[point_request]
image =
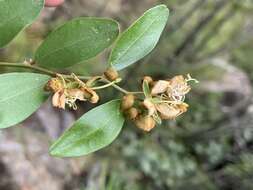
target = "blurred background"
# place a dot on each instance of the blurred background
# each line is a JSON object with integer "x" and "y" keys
{"x": 208, "y": 148}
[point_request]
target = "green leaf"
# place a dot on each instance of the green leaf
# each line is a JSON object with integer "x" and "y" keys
{"x": 76, "y": 41}
{"x": 21, "y": 94}
{"x": 15, "y": 15}
{"x": 140, "y": 38}
{"x": 93, "y": 131}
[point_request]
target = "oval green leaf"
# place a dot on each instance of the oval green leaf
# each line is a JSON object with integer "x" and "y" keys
{"x": 76, "y": 41}
{"x": 15, "y": 15}
{"x": 140, "y": 38}
{"x": 93, "y": 131}
{"x": 21, "y": 94}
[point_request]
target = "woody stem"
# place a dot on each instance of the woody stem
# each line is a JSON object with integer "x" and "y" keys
{"x": 118, "y": 87}
{"x": 108, "y": 84}
{"x": 54, "y": 74}
{"x": 39, "y": 69}
{"x": 30, "y": 67}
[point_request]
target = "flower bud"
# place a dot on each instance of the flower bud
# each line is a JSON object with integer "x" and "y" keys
{"x": 54, "y": 85}
{"x": 145, "y": 123}
{"x": 127, "y": 102}
{"x": 132, "y": 113}
{"x": 148, "y": 79}
{"x": 111, "y": 74}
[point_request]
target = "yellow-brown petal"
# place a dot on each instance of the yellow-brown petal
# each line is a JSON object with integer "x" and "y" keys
{"x": 149, "y": 106}
{"x": 168, "y": 111}
{"x": 59, "y": 99}
{"x": 159, "y": 87}
{"x": 76, "y": 93}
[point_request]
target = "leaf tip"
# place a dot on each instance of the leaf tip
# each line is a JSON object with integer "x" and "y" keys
{"x": 53, "y": 151}
{"x": 164, "y": 8}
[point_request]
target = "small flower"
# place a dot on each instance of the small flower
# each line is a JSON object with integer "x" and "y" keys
{"x": 165, "y": 100}
{"x": 69, "y": 91}
{"x": 178, "y": 88}
{"x": 175, "y": 88}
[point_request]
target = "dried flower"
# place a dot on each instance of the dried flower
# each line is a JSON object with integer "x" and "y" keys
{"x": 178, "y": 88}
{"x": 69, "y": 91}
{"x": 165, "y": 101}
{"x": 54, "y": 85}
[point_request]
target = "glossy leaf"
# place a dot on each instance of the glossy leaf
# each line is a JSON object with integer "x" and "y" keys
{"x": 21, "y": 94}
{"x": 15, "y": 15}
{"x": 93, "y": 131}
{"x": 140, "y": 38}
{"x": 76, "y": 41}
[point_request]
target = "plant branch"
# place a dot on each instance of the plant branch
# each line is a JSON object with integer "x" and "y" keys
{"x": 54, "y": 74}
{"x": 30, "y": 67}
{"x": 118, "y": 87}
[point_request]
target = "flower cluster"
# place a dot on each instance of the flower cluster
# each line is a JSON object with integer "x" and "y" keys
{"x": 68, "y": 91}
{"x": 164, "y": 100}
